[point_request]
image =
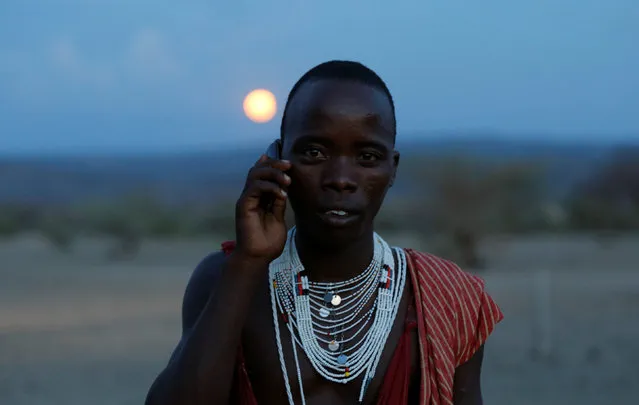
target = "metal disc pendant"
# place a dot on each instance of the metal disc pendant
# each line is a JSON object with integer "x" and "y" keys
{"x": 328, "y": 297}
{"x": 342, "y": 359}
{"x": 336, "y": 300}
{"x": 324, "y": 313}
{"x": 333, "y": 346}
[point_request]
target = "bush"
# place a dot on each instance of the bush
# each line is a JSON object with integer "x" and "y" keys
{"x": 609, "y": 199}
{"x": 59, "y": 230}
{"x": 464, "y": 199}
{"x": 17, "y": 218}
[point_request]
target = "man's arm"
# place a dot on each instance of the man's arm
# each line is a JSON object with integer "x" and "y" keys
{"x": 478, "y": 314}
{"x": 215, "y": 305}
{"x": 467, "y": 383}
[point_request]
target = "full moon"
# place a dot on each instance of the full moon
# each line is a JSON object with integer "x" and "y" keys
{"x": 260, "y": 105}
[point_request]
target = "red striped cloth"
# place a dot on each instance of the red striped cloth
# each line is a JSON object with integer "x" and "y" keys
{"x": 455, "y": 316}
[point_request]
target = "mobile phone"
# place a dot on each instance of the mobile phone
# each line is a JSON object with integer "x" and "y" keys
{"x": 274, "y": 151}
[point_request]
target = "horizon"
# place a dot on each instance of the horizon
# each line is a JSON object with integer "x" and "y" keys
{"x": 450, "y": 139}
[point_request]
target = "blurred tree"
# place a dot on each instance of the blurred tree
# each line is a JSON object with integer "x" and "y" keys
{"x": 464, "y": 199}
{"x": 117, "y": 220}
{"x": 58, "y": 227}
{"x": 17, "y": 218}
{"x": 609, "y": 199}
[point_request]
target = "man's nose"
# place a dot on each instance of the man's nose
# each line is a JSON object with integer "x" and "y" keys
{"x": 340, "y": 175}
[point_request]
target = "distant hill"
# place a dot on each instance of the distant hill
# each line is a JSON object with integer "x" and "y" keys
{"x": 217, "y": 174}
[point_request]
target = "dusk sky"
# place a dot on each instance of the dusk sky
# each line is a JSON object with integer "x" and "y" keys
{"x": 102, "y": 76}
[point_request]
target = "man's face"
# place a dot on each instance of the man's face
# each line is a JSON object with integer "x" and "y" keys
{"x": 339, "y": 137}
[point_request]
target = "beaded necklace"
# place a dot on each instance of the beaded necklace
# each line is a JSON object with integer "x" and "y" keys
{"x": 318, "y": 314}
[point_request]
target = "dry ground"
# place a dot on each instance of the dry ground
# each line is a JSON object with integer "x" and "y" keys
{"x": 76, "y": 329}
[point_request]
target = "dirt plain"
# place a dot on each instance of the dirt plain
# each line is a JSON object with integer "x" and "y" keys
{"x": 76, "y": 328}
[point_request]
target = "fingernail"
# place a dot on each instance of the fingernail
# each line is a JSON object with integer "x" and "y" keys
{"x": 287, "y": 177}
{"x": 286, "y": 161}
{"x": 283, "y": 193}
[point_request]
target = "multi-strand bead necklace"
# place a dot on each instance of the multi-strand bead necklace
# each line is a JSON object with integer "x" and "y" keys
{"x": 318, "y": 315}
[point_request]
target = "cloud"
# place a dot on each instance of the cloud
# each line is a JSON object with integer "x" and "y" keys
{"x": 149, "y": 58}
{"x": 144, "y": 58}
{"x": 68, "y": 73}
{"x": 67, "y": 60}
{"x": 65, "y": 56}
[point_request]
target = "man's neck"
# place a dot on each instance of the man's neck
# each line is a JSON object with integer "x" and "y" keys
{"x": 331, "y": 263}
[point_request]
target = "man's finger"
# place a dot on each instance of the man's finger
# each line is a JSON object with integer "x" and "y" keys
{"x": 271, "y": 174}
{"x": 283, "y": 165}
{"x": 260, "y": 188}
{"x": 262, "y": 159}
{"x": 279, "y": 209}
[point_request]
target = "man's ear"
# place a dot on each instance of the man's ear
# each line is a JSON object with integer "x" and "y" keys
{"x": 395, "y": 166}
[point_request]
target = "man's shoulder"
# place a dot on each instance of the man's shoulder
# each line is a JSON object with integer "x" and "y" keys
{"x": 436, "y": 273}
{"x": 207, "y": 271}
{"x": 201, "y": 283}
{"x": 210, "y": 264}
{"x": 454, "y": 297}
{"x": 431, "y": 263}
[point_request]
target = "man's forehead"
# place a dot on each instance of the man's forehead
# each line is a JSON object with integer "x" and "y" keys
{"x": 335, "y": 98}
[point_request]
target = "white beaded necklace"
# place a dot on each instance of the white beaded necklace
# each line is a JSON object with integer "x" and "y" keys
{"x": 310, "y": 312}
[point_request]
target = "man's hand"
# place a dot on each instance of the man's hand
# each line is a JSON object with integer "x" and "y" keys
{"x": 259, "y": 213}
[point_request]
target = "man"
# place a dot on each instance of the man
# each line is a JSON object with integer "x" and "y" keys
{"x": 394, "y": 327}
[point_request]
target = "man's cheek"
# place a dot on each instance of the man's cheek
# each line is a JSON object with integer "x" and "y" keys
{"x": 375, "y": 187}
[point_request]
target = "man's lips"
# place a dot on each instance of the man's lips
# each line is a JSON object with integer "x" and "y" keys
{"x": 339, "y": 209}
{"x": 338, "y": 216}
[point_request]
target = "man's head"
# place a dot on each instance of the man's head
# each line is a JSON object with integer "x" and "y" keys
{"x": 338, "y": 130}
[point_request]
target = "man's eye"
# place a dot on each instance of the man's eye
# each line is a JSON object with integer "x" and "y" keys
{"x": 369, "y": 156}
{"x": 313, "y": 153}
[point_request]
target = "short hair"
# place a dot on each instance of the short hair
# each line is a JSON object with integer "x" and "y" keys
{"x": 340, "y": 70}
